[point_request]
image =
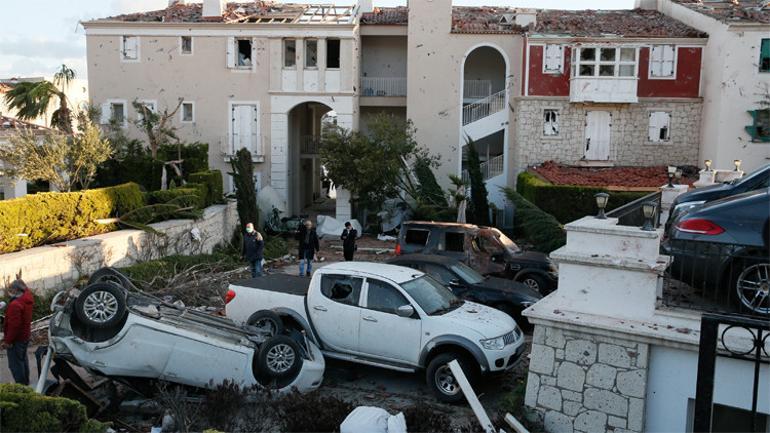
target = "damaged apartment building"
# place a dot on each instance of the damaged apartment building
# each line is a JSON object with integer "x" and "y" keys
{"x": 525, "y": 86}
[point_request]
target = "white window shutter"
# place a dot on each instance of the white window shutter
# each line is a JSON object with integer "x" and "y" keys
{"x": 253, "y": 54}
{"x": 236, "y": 126}
{"x": 553, "y": 58}
{"x": 104, "y": 117}
{"x": 255, "y": 141}
{"x": 659, "y": 120}
{"x": 231, "y": 52}
{"x": 668, "y": 61}
{"x": 130, "y": 47}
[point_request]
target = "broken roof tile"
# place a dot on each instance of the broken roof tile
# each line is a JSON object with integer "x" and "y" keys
{"x": 484, "y": 19}
{"x": 732, "y": 11}
{"x": 624, "y": 23}
{"x": 394, "y": 16}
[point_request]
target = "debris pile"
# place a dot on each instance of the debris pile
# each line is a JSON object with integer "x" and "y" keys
{"x": 647, "y": 177}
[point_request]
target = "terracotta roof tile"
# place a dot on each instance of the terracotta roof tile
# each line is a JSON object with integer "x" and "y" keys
{"x": 627, "y": 23}
{"x": 744, "y": 11}
{"x": 398, "y": 16}
{"x": 484, "y": 19}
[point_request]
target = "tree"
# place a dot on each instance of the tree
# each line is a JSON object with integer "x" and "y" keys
{"x": 32, "y": 99}
{"x": 479, "y": 202}
{"x": 245, "y": 192}
{"x": 65, "y": 161}
{"x": 156, "y": 125}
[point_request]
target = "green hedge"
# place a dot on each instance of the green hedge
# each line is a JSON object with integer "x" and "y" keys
{"x": 212, "y": 179}
{"x": 537, "y": 227}
{"x": 185, "y": 197}
{"x": 567, "y": 202}
{"x": 46, "y": 218}
{"x": 26, "y": 411}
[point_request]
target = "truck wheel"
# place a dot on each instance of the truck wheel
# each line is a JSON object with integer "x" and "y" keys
{"x": 110, "y": 275}
{"x": 267, "y": 321}
{"x": 441, "y": 380}
{"x": 101, "y": 305}
{"x": 535, "y": 282}
{"x": 279, "y": 357}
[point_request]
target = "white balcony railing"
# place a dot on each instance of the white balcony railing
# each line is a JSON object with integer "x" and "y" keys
{"x": 310, "y": 145}
{"x": 476, "y": 89}
{"x": 484, "y": 107}
{"x": 383, "y": 86}
{"x": 603, "y": 89}
{"x": 489, "y": 169}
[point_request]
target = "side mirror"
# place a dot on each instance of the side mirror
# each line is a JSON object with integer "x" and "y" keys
{"x": 405, "y": 311}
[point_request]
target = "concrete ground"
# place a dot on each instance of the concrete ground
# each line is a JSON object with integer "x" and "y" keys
{"x": 5, "y": 372}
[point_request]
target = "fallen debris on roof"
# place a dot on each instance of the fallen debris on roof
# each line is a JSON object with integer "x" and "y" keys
{"x": 730, "y": 11}
{"x": 627, "y": 23}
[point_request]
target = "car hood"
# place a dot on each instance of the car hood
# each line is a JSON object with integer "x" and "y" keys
{"x": 529, "y": 257}
{"x": 486, "y": 321}
{"x": 516, "y": 289}
{"x": 708, "y": 193}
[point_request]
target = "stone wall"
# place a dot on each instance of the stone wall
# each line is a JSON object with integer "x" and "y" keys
{"x": 581, "y": 382}
{"x": 55, "y": 266}
{"x": 630, "y": 145}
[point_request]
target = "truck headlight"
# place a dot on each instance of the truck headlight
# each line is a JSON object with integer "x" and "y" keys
{"x": 493, "y": 343}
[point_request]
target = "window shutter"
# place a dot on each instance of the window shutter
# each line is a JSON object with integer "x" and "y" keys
{"x": 668, "y": 60}
{"x": 104, "y": 118}
{"x": 231, "y": 52}
{"x": 256, "y": 145}
{"x": 130, "y": 47}
{"x": 236, "y": 126}
{"x": 662, "y": 61}
{"x": 553, "y": 58}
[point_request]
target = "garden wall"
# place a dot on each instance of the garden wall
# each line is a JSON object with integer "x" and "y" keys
{"x": 57, "y": 265}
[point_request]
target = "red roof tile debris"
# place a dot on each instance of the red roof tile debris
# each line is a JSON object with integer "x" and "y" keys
{"x": 395, "y": 16}
{"x": 485, "y": 19}
{"x": 627, "y": 23}
{"x": 728, "y": 11}
{"x": 620, "y": 177}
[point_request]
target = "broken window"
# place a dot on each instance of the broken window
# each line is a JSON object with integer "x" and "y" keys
{"x": 188, "y": 112}
{"x": 760, "y": 127}
{"x": 663, "y": 61}
{"x": 244, "y": 53}
{"x": 332, "y": 53}
{"x": 553, "y": 59}
{"x": 550, "y": 122}
{"x": 342, "y": 288}
{"x": 118, "y": 113}
{"x": 185, "y": 45}
{"x": 454, "y": 242}
{"x": 604, "y": 62}
{"x": 130, "y": 48}
{"x": 311, "y": 53}
{"x": 660, "y": 126}
{"x": 416, "y": 237}
{"x": 289, "y": 53}
{"x": 764, "y": 56}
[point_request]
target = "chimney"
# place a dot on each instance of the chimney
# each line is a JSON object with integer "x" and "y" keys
{"x": 365, "y": 6}
{"x": 214, "y": 8}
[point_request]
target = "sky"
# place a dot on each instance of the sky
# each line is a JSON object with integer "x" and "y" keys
{"x": 37, "y": 36}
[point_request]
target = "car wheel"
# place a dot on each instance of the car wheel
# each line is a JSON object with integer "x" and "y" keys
{"x": 280, "y": 356}
{"x": 535, "y": 282}
{"x": 752, "y": 287}
{"x": 101, "y": 305}
{"x": 441, "y": 380}
{"x": 110, "y": 275}
{"x": 267, "y": 322}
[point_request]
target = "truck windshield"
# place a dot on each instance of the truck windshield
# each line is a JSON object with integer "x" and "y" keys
{"x": 467, "y": 274}
{"x": 431, "y": 296}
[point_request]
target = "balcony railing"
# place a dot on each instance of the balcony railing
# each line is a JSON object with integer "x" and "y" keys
{"x": 383, "y": 86}
{"x": 476, "y": 89}
{"x": 630, "y": 214}
{"x": 489, "y": 169}
{"x": 309, "y": 145}
{"x": 484, "y": 107}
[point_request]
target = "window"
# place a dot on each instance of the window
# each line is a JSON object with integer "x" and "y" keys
{"x": 188, "y": 112}
{"x": 149, "y": 105}
{"x": 129, "y": 48}
{"x": 604, "y": 62}
{"x": 332, "y": 53}
{"x": 760, "y": 127}
{"x": 186, "y": 45}
{"x": 244, "y": 53}
{"x": 342, "y": 288}
{"x": 764, "y": 56}
{"x": 440, "y": 274}
{"x": 289, "y": 53}
{"x": 383, "y": 297}
{"x": 454, "y": 242}
{"x": 550, "y": 122}
{"x": 660, "y": 127}
{"x": 118, "y": 113}
{"x": 663, "y": 61}
{"x": 416, "y": 237}
{"x": 311, "y": 53}
{"x": 553, "y": 59}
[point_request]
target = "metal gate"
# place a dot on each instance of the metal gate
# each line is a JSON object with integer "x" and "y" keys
{"x": 712, "y": 345}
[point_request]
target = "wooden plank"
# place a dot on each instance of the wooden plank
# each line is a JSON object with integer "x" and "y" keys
{"x": 515, "y": 424}
{"x": 473, "y": 400}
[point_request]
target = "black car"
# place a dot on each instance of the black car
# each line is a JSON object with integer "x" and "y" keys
{"x": 691, "y": 201}
{"x": 722, "y": 248}
{"x": 485, "y": 249}
{"x": 505, "y": 295}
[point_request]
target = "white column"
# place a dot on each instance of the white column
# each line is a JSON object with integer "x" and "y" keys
{"x": 279, "y": 158}
{"x": 343, "y": 211}
{"x": 14, "y": 188}
{"x": 667, "y": 196}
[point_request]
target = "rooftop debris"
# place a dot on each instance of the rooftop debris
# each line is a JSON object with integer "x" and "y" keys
{"x": 627, "y": 23}
{"x": 731, "y": 11}
{"x": 636, "y": 177}
{"x": 485, "y": 19}
{"x": 397, "y": 16}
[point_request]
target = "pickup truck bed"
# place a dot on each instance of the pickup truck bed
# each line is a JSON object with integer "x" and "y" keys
{"x": 290, "y": 284}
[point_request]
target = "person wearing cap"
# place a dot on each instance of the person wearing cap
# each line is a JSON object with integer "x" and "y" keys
{"x": 308, "y": 247}
{"x": 348, "y": 237}
{"x": 17, "y": 329}
{"x": 253, "y": 250}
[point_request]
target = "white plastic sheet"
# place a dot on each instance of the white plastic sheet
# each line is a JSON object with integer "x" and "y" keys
{"x": 332, "y": 227}
{"x": 373, "y": 420}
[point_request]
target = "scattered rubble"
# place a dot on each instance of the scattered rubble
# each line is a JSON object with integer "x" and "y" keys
{"x": 620, "y": 177}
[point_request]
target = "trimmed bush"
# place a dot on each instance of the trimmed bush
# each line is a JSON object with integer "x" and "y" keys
{"x": 568, "y": 202}
{"x": 185, "y": 197}
{"x": 26, "y": 411}
{"x": 214, "y": 187}
{"x": 51, "y": 217}
{"x": 195, "y": 156}
{"x": 539, "y": 228}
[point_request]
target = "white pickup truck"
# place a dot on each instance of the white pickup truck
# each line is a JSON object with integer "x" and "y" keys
{"x": 383, "y": 315}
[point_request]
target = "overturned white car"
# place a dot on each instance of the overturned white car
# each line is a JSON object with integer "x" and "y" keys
{"x": 112, "y": 329}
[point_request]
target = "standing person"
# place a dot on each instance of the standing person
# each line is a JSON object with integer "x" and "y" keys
{"x": 253, "y": 250}
{"x": 17, "y": 326}
{"x": 308, "y": 246}
{"x": 348, "y": 237}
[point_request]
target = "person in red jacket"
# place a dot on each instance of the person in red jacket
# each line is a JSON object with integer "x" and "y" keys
{"x": 16, "y": 329}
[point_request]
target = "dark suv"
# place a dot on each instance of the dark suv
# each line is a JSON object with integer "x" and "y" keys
{"x": 485, "y": 249}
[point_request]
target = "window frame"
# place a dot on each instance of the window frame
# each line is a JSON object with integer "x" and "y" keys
{"x": 545, "y": 70}
{"x": 307, "y": 51}
{"x": 236, "y": 52}
{"x": 181, "y": 46}
{"x": 258, "y": 152}
{"x": 445, "y": 244}
{"x": 122, "y": 49}
{"x": 659, "y": 141}
{"x": 181, "y": 112}
{"x": 364, "y": 300}
{"x": 674, "y": 68}
{"x": 293, "y": 66}
{"x": 762, "y": 42}
{"x": 576, "y": 62}
{"x": 415, "y": 229}
{"x": 339, "y": 55}
{"x": 358, "y": 303}
{"x": 558, "y": 124}
{"x": 110, "y": 103}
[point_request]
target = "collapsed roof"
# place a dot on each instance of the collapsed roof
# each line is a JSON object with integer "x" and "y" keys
{"x": 13, "y": 125}
{"x": 624, "y": 23}
{"x": 731, "y": 11}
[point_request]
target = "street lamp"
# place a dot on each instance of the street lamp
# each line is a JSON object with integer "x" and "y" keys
{"x": 708, "y": 164}
{"x": 648, "y": 210}
{"x": 601, "y": 203}
{"x": 678, "y": 175}
{"x": 671, "y": 174}
{"x": 737, "y": 163}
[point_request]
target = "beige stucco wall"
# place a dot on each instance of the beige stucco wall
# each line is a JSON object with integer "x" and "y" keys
{"x": 383, "y": 56}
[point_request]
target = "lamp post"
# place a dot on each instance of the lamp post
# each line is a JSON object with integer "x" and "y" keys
{"x": 737, "y": 163}
{"x": 648, "y": 210}
{"x": 601, "y": 203}
{"x": 671, "y": 173}
{"x": 708, "y": 164}
{"x": 678, "y": 176}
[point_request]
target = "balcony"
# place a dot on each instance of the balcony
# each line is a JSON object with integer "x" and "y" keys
{"x": 489, "y": 169}
{"x": 484, "y": 107}
{"x": 603, "y": 89}
{"x": 476, "y": 89}
{"x": 309, "y": 145}
{"x": 383, "y": 86}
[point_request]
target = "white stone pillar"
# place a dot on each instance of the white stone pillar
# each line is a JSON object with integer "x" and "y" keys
{"x": 279, "y": 156}
{"x": 706, "y": 178}
{"x": 14, "y": 188}
{"x": 667, "y": 196}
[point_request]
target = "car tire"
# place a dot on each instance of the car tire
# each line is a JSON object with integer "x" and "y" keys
{"x": 535, "y": 282}
{"x": 751, "y": 275}
{"x": 441, "y": 381}
{"x": 279, "y": 357}
{"x": 110, "y": 275}
{"x": 101, "y": 305}
{"x": 268, "y": 321}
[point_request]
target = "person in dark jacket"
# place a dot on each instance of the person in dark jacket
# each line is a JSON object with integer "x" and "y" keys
{"x": 308, "y": 247}
{"x": 253, "y": 250}
{"x": 16, "y": 329}
{"x": 348, "y": 237}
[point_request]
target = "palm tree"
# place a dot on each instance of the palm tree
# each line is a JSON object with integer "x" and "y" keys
{"x": 31, "y": 100}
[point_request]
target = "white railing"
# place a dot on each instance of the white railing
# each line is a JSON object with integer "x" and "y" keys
{"x": 310, "y": 145}
{"x": 489, "y": 169}
{"x": 383, "y": 86}
{"x": 476, "y": 89}
{"x": 484, "y": 107}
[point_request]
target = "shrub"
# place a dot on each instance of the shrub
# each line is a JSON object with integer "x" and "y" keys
{"x": 45, "y": 218}
{"x": 27, "y": 411}
{"x": 541, "y": 229}
{"x": 184, "y": 197}
{"x": 568, "y": 202}
{"x": 245, "y": 192}
{"x": 195, "y": 156}
{"x": 275, "y": 247}
{"x": 213, "y": 181}
{"x": 312, "y": 412}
